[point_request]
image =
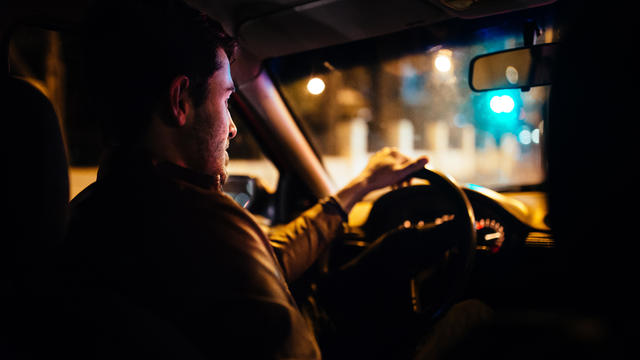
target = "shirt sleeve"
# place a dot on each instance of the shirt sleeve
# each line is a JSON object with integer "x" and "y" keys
{"x": 299, "y": 243}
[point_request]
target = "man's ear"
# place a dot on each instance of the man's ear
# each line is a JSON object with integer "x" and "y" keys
{"x": 179, "y": 101}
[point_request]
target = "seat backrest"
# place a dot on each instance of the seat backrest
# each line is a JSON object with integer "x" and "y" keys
{"x": 33, "y": 224}
{"x": 37, "y": 184}
{"x": 44, "y": 311}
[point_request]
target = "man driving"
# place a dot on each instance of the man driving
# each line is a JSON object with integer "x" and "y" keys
{"x": 156, "y": 228}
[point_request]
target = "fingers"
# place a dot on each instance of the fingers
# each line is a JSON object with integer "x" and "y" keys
{"x": 401, "y": 184}
{"x": 408, "y": 169}
{"x": 415, "y": 165}
{"x": 391, "y": 167}
{"x": 402, "y": 158}
{"x": 393, "y": 153}
{"x": 396, "y": 154}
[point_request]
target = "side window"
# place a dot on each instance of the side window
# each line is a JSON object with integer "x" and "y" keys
{"x": 252, "y": 176}
{"x": 246, "y": 156}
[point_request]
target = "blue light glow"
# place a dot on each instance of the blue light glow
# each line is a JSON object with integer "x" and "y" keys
{"x": 525, "y": 137}
{"x": 502, "y": 104}
{"x": 498, "y": 112}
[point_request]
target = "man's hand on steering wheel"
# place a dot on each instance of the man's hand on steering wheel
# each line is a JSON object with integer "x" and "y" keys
{"x": 386, "y": 167}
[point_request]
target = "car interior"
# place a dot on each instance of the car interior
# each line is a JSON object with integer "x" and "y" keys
{"x": 538, "y": 226}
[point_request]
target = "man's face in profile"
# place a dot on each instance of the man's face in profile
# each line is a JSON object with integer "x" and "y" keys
{"x": 213, "y": 126}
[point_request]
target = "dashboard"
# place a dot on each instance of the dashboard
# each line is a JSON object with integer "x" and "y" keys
{"x": 515, "y": 257}
{"x": 515, "y": 248}
{"x": 509, "y": 220}
{"x": 503, "y": 221}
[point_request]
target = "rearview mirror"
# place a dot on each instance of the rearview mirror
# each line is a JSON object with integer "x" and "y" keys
{"x": 520, "y": 68}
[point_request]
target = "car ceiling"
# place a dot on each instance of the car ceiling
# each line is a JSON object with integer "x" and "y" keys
{"x": 270, "y": 28}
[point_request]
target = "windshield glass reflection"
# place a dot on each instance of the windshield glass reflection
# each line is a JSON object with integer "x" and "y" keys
{"x": 411, "y": 91}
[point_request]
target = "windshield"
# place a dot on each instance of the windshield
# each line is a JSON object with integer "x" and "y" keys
{"x": 410, "y": 91}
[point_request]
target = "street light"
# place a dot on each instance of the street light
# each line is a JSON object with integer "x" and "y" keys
{"x": 315, "y": 86}
{"x": 443, "y": 60}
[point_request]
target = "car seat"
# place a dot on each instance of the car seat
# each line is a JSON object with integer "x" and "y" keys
{"x": 37, "y": 194}
{"x": 46, "y": 312}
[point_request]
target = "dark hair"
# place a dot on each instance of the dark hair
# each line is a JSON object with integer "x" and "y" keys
{"x": 136, "y": 48}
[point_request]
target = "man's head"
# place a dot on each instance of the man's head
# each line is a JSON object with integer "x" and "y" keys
{"x": 197, "y": 135}
{"x": 160, "y": 71}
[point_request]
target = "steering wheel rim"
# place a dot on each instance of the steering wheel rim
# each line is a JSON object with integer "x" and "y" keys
{"x": 466, "y": 246}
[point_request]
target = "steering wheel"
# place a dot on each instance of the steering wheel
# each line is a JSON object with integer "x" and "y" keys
{"x": 419, "y": 252}
{"x": 435, "y": 222}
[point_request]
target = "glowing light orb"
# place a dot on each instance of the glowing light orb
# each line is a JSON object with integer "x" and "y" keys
{"x": 512, "y": 75}
{"x": 525, "y": 137}
{"x": 315, "y": 86}
{"x": 443, "y": 61}
{"x": 502, "y": 104}
{"x": 535, "y": 136}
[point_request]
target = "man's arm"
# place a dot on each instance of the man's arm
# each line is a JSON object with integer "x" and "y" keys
{"x": 299, "y": 243}
{"x": 234, "y": 284}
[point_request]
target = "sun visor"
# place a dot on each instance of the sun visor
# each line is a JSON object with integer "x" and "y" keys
{"x": 324, "y": 23}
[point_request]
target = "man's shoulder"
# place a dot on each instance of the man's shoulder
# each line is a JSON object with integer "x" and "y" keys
{"x": 210, "y": 203}
{"x": 165, "y": 203}
{"x": 157, "y": 192}
{"x": 163, "y": 218}
{"x": 217, "y": 211}
{"x": 87, "y": 202}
